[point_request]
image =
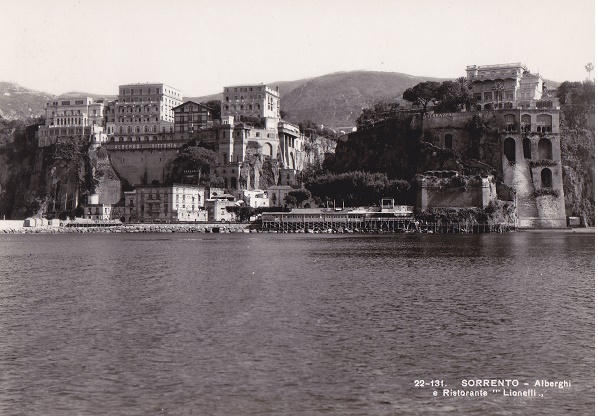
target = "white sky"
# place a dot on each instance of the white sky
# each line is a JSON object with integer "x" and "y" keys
{"x": 199, "y": 46}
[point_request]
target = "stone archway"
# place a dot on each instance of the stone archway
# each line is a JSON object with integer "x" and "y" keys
{"x": 545, "y": 149}
{"x": 527, "y": 148}
{"x": 509, "y": 149}
{"x": 546, "y": 177}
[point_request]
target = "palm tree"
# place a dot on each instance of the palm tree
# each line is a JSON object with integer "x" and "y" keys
{"x": 465, "y": 93}
{"x": 589, "y": 68}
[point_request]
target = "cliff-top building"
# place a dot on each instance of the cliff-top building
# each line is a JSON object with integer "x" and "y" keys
{"x": 80, "y": 117}
{"x": 142, "y": 111}
{"x": 142, "y": 121}
{"x": 524, "y": 145}
{"x": 191, "y": 117}
{"x": 257, "y": 101}
{"x": 504, "y": 85}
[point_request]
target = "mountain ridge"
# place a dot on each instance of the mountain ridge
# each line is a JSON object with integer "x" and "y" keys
{"x": 334, "y": 100}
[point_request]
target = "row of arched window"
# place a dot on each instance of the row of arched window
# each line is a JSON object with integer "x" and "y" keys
{"x": 71, "y": 121}
{"x": 543, "y": 123}
{"x": 544, "y": 152}
{"x": 544, "y": 149}
{"x": 137, "y": 129}
{"x": 138, "y": 109}
{"x": 133, "y": 139}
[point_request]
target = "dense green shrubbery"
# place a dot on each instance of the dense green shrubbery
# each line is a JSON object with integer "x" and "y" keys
{"x": 195, "y": 158}
{"x": 496, "y": 212}
{"x": 358, "y": 188}
{"x": 577, "y": 101}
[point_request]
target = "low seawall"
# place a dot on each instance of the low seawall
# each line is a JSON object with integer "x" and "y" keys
{"x": 136, "y": 228}
{"x": 11, "y": 224}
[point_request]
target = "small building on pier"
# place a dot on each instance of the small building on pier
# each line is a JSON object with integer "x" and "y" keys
{"x": 388, "y": 217}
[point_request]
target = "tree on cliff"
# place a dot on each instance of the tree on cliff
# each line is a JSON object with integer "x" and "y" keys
{"x": 215, "y": 106}
{"x": 589, "y": 68}
{"x": 423, "y": 94}
{"x": 380, "y": 111}
{"x": 454, "y": 95}
{"x": 307, "y": 125}
{"x": 577, "y": 93}
{"x": 194, "y": 159}
{"x": 358, "y": 188}
{"x": 448, "y": 96}
{"x": 577, "y": 102}
{"x": 300, "y": 196}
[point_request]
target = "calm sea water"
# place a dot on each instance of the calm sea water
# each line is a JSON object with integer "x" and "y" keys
{"x": 265, "y": 324}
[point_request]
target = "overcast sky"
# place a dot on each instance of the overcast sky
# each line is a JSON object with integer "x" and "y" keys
{"x": 200, "y": 46}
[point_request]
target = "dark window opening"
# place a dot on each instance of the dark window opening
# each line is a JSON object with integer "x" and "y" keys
{"x": 448, "y": 141}
{"x": 546, "y": 176}
{"x": 544, "y": 149}
{"x": 509, "y": 149}
{"x": 527, "y": 148}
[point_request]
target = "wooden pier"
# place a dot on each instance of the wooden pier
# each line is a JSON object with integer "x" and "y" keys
{"x": 349, "y": 222}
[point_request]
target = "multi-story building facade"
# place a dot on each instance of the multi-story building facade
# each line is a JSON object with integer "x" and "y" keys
{"x": 259, "y": 101}
{"x": 80, "y": 117}
{"x": 142, "y": 111}
{"x": 143, "y": 142}
{"x": 217, "y": 206}
{"x": 524, "y": 145}
{"x": 98, "y": 212}
{"x": 281, "y": 141}
{"x": 291, "y": 142}
{"x": 277, "y": 194}
{"x": 165, "y": 204}
{"x": 148, "y": 122}
{"x": 256, "y": 199}
{"x": 192, "y": 117}
{"x": 504, "y": 85}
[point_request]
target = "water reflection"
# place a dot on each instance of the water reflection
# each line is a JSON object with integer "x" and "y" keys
{"x": 291, "y": 324}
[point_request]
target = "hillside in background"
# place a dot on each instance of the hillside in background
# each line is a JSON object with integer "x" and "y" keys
{"x": 76, "y": 94}
{"x": 334, "y": 100}
{"x": 17, "y": 102}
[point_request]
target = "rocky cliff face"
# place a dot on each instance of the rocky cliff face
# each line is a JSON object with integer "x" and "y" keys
{"x": 17, "y": 158}
{"x": 402, "y": 150}
{"x": 391, "y": 148}
{"x": 52, "y": 181}
{"x": 315, "y": 150}
{"x": 101, "y": 178}
{"x": 258, "y": 171}
{"x": 578, "y": 162}
{"x": 66, "y": 173}
{"x": 261, "y": 172}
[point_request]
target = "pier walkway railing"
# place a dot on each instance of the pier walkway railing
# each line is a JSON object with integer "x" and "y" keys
{"x": 382, "y": 225}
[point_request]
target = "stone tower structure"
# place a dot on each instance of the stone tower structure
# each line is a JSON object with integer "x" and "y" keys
{"x": 528, "y": 118}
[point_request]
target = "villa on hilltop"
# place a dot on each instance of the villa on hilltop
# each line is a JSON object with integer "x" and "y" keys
{"x": 513, "y": 131}
{"x": 506, "y": 148}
